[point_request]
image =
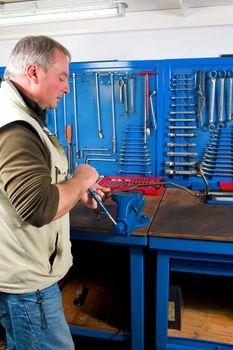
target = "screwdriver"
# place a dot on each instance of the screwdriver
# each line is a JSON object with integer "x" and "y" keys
{"x": 98, "y": 201}
{"x": 69, "y": 142}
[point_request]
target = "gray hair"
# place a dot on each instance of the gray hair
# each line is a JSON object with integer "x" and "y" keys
{"x": 33, "y": 49}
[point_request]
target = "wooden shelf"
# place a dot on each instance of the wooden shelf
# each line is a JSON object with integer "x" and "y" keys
{"x": 107, "y": 305}
{"x": 207, "y": 311}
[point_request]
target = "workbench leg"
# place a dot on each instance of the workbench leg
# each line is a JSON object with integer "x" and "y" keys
{"x": 162, "y": 296}
{"x": 137, "y": 297}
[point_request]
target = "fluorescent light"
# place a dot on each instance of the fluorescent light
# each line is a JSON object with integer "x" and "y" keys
{"x": 35, "y": 14}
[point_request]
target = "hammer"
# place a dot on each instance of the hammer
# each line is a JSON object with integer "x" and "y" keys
{"x": 147, "y": 121}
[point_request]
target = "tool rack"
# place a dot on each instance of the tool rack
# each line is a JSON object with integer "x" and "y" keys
{"x": 150, "y": 119}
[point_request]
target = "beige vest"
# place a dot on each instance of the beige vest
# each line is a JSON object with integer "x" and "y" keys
{"x": 24, "y": 249}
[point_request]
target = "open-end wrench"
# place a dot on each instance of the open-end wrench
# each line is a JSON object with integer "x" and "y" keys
{"x": 153, "y": 93}
{"x": 98, "y": 105}
{"x": 201, "y": 97}
{"x": 212, "y": 76}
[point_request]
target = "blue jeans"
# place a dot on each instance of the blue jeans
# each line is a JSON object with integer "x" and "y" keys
{"x": 35, "y": 321}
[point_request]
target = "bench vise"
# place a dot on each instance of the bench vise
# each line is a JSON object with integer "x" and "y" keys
{"x": 129, "y": 215}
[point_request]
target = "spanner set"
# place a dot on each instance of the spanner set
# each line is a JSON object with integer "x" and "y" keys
{"x": 150, "y": 118}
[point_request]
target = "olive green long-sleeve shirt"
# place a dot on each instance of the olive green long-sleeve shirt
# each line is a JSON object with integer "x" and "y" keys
{"x": 25, "y": 171}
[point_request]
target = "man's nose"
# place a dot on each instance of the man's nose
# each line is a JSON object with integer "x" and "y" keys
{"x": 67, "y": 88}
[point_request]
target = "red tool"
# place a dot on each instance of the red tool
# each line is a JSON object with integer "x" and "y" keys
{"x": 146, "y": 185}
{"x": 146, "y": 100}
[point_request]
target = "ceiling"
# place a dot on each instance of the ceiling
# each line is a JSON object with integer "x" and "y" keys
{"x": 150, "y": 5}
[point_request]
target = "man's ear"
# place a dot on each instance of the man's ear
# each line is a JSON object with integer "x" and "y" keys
{"x": 32, "y": 72}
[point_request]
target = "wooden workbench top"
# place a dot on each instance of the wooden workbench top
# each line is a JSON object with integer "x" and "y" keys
{"x": 84, "y": 219}
{"x": 180, "y": 215}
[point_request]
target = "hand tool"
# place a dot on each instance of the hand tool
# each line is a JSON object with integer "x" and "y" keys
{"x": 69, "y": 143}
{"x": 181, "y": 84}
{"x": 98, "y": 201}
{"x": 181, "y": 89}
{"x": 182, "y": 112}
{"x": 131, "y": 84}
{"x": 88, "y": 160}
{"x": 201, "y": 97}
{"x": 180, "y": 172}
{"x": 181, "y": 97}
{"x": 182, "y": 105}
{"x": 181, "y": 120}
{"x": 229, "y": 81}
{"x": 85, "y": 158}
{"x": 147, "y": 123}
{"x": 98, "y": 105}
{"x": 129, "y": 211}
{"x": 221, "y": 78}
{"x": 179, "y": 163}
{"x": 173, "y": 144}
{"x": 134, "y": 172}
{"x": 170, "y": 134}
{"x": 121, "y": 83}
{"x": 125, "y": 90}
{"x": 153, "y": 93}
{"x": 92, "y": 149}
{"x": 75, "y": 116}
{"x": 182, "y": 127}
{"x": 182, "y": 154}
{"x": 113, "y": 115}
{"x": 212, "y": 77}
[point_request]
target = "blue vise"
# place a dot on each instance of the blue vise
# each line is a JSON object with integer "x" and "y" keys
{"x": 129, "y": 215}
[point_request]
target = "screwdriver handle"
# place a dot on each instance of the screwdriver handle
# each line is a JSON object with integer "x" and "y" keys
{"x": 69, "y": 134}
{"x": 98, "y": 201}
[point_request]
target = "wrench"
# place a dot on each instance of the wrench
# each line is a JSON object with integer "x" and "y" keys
{"x": 98, "y": 105}
{"x": 221, "y": 77}
{"x": 212, "y": 77}
{"x": 229, "y": 81}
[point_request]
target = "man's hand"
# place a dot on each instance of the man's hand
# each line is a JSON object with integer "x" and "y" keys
{"x": 101, "y": 192}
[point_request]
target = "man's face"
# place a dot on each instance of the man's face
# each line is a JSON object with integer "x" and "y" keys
{"x": 53, "y": 83}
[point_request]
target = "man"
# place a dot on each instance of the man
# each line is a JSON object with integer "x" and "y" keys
{"x": 35, "y": 198}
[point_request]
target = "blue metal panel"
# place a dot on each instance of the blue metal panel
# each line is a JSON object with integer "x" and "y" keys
{"x": 109, "y": 238}
{"x": 120, "y": 130}
{"x": 87, "y": 332}
{"x": 204, "y": 257}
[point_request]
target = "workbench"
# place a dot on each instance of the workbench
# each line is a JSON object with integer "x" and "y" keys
{"x": 195, "y": 239}
{"x": 86, "y": 228}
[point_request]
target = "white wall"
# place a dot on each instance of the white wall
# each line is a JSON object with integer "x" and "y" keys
{"x": 204, "y": 32}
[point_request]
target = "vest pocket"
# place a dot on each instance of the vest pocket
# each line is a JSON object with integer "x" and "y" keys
{"x": 53, "y": 255}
